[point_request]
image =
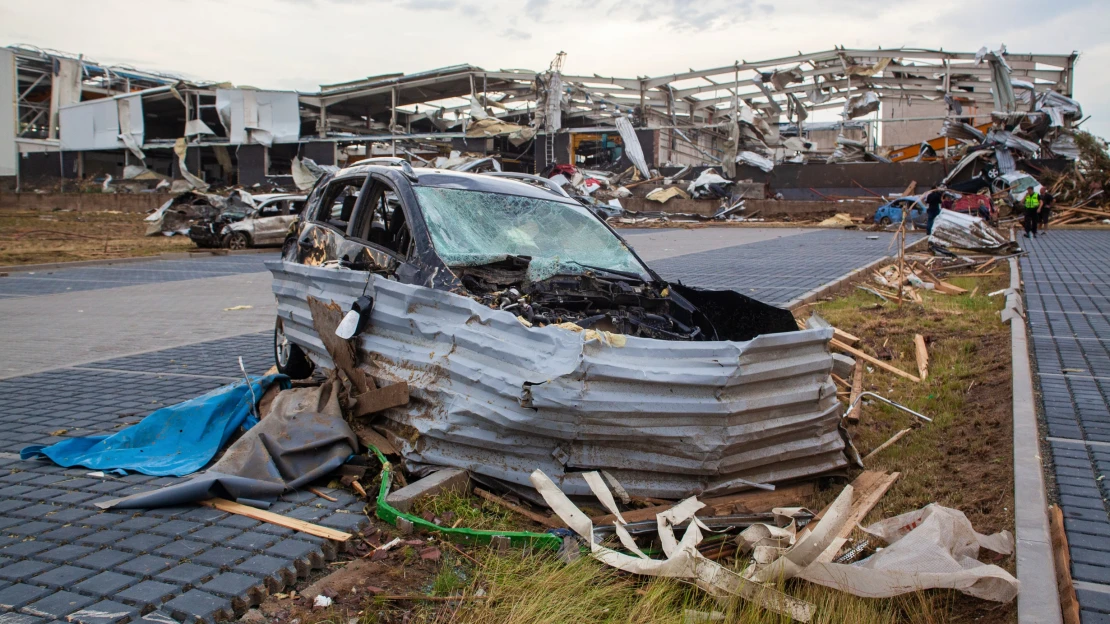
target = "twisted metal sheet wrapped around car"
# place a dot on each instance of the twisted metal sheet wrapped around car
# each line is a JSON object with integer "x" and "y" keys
{"x": 666, "y": 419}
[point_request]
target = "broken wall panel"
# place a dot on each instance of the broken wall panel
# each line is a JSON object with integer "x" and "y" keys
{"x": 494, "y": 397}
{"x": 262, "y": 117}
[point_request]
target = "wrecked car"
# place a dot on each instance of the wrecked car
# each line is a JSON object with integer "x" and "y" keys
{"x": 531, "y": 335}
{"x": 241, "y": 225}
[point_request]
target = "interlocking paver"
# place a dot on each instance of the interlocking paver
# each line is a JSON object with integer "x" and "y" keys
{"x": 1067, "y": 297}
{"x": 59, "y": 604}
{"x": 20, "y": 594}
{"x": 781, "y": 270}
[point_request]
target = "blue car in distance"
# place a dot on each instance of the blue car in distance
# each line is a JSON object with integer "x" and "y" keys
{"x": 892, "y": 212}
{"x": 970, "y": 204}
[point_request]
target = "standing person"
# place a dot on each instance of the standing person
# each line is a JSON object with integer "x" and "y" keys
{"x": 1047, "y": 202}
{"x": 1032, "y": 203}
{"x": 933, "y": 200}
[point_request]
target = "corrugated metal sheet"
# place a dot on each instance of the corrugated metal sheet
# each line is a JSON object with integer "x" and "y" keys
{"x": 666, "y": 419}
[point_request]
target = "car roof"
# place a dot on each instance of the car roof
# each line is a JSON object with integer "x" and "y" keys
{"x": 265, "y": 197}
{"x": 445, "y": 178}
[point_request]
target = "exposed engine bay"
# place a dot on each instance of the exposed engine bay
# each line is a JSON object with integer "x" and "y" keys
{"x": 596, "y": 299}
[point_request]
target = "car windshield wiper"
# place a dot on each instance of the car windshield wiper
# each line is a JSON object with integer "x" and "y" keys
{"x": 628, "y": 274}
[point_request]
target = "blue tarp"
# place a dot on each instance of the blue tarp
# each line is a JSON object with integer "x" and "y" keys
{"x": 174, "y": 441}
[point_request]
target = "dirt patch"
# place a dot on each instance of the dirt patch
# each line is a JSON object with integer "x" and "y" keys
{"x": 30, "y": 237}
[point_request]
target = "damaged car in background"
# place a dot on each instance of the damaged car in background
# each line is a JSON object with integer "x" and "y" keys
{"x": 531, "y": 335}
{"x": 255, "y": 221}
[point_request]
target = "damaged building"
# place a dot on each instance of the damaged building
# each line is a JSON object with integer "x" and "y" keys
{"x": 76, "y": 119}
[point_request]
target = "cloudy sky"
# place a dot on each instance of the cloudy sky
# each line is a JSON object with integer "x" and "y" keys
{"x": 299, "y": 44}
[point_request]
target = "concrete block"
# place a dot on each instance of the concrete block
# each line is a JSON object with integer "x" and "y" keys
{"x": 449, "y": 479}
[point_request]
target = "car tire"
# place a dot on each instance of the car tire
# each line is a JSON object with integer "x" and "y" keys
{"x": 238, "y": 241}
{"x": 885, "y": 221}
{"x": 291, "y": 360}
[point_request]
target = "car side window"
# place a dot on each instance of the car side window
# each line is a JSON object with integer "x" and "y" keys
{"x": 381, "y": 221}
{"x": 296, "y": 206}
{"x": 272, "y": 209}
{"x": 339, "y": 202}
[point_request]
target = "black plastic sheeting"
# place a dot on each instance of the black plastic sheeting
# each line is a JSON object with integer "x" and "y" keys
{"x": 303, "y": 438}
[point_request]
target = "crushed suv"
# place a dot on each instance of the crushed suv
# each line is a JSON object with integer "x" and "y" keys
{"x": 511, "y": 245}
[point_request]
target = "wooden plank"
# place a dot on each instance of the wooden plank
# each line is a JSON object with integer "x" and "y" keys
{"x": 758, "y": 501}
{"x": 857, "y": 388}
{"x": 273, "y": 518}
{"x": 325, "y": 319}
{"x": 877, "y": 362}
{"x": 840, "y": 381}
{"x": 892, "y": 440}
{"x": 986, "y": 265}
{"x": 1069, "y": 603}
{"x": 864, "y": 498}
{"x": 366, "y": 434}
{"x": 838, "y": 333}
{"x": 378, "y": 399}
{"x": 922, "y": 353}
{"x": 531, "y": 515}
{"x": 845, "y": 337}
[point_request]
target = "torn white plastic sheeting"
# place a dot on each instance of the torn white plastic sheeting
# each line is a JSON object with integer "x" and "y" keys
{"x": 683, "y": 559}
{"x": 751, "y": 158}
{"x": 860, "y": 105}
{"x": 632, "y": 146}
{"x": 932, "y": 548}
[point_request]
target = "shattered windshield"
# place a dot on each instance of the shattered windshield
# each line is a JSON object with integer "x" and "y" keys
{"x": 471, "y": 228}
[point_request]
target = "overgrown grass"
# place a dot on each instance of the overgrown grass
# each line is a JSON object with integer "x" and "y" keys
{"x": 470, "y": 512}
{"x": 31, "y": 237}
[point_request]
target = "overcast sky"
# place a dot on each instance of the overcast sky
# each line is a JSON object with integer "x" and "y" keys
{"x": 299, "y": 44}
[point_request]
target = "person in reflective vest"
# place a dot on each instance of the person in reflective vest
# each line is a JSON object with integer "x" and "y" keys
{"x": 1032, "y": 204}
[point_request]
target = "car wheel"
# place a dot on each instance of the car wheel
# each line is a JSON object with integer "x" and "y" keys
{"x": 238, "y": 240}
{"x": 885, "y": 221}
{"x": 291, "y": 360}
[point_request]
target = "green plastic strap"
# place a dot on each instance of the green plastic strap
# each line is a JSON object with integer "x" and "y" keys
{"x": 390, "y": 514}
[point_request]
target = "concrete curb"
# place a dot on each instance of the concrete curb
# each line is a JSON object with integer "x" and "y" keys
{"x": 844, "y": 281}
{"x": 170, "y": 255}
{"x": 1039, "y": 599}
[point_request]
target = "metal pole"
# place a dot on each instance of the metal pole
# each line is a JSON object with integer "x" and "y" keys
{"x": 393, "y": 121}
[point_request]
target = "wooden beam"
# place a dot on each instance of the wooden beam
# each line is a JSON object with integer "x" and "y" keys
{"x": 857, "y": 388}
{"x": 877, "y": 362}
{"x": 894, "y": 438}
{"x": 531, "y": 515}
{"x": 868, "y": 488}
{"x": 273, "y": 518}
{"x": 1061, "y": 557}
{"x": 922, "y": 353}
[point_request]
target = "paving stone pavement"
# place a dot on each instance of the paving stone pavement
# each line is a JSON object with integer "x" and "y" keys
{"x": 76, "y": 279}
{"x": 1067, "y": 301}
{"x": 62, "y": 558}
{"x": 188, "y": 562}
{"x": 781, "y": 270}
